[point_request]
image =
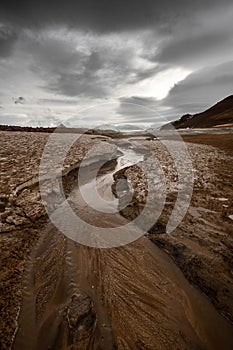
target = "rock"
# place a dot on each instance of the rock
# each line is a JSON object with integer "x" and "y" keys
{"x": 5, "y": 214}
{"x": 2, "y": 206}
{"x": 158, "y": 228}
{"x": 3, "y": 197}
{"x": 3, "y": 201}
{"x": 78, "y": 326}
{"x": 4, "y": 227}
{"x": 16, "y": 220}
{"x": 30, "y": 204}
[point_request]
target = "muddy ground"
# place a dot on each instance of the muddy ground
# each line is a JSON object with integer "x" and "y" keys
{"x": 67, "y": 296}
{"x": 202, "y": 245}
{"x": 22, "y": 211}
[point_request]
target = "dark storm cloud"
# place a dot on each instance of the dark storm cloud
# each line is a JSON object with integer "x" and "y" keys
{"x": 147, "y": 73}
{"x": 7, "y": 40}
{"x": 194, "y": 94}
{"x": 103, "y": 49}
{"x": 105, "y": 15}
{"x": 186, "y": 50}
{"x": 66, "y": 71}
{"x": 197, "y": 40}
{"x": 202, "y": 89}
{"x": 90, "y": 72}
{"x": 78, "y": 85}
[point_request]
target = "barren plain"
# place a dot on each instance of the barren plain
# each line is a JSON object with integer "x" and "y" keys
{"x": 163, "y": 291}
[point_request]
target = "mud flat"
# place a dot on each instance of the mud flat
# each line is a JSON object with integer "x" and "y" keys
{"x": 135, "y": 296}
{"x": 202, "y": 245}
{"x": 22, "y": 212}
{"x": 58, "y": 294}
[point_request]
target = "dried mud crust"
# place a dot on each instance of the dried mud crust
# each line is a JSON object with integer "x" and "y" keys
{"x": 20, "y": 156}
{"x": 202, "y": 245}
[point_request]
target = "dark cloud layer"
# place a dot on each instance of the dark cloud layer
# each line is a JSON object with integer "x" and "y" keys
{"x": 202, "y": 88}
{"x": 194, "y": 94}
{"x": 8, "y": 37}
{"x": 60, "y": 51}
{"x": 184, "y": 50}
{"x": 72, "y": 71}
{"x": 104, "y": 15}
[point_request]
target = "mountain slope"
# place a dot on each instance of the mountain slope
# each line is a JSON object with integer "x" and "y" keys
{"x": 219, "y": 115}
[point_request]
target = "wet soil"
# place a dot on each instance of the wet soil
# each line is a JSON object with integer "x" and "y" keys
{"x": 130, "y": 297}
{"x": 202, "y": 245}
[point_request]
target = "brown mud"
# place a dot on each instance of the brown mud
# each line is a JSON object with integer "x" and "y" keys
{"x": 130, "y": 297}
{"x": 202, "y": 245}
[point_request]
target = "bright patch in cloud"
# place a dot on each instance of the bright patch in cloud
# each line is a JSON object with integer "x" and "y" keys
{"x": 159, "y": 85}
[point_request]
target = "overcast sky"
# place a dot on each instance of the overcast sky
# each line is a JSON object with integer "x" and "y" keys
{"x": 88, "y": 63}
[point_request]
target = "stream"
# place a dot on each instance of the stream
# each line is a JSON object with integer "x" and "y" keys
{"x": 97, "y": 192}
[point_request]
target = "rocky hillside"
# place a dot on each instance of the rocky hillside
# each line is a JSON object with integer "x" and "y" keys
{"x": 220, "y": 115}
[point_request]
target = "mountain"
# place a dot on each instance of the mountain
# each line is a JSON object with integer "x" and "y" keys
{"x": 220, "y": 115}
{"x": 61, "y": 126}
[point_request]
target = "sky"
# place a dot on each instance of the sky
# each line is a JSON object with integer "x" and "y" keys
{"x": 126, "y": 63}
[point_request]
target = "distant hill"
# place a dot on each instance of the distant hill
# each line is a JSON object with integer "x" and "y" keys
{"x": 63, "y": 129}
{"x": 61, "y": 126}
{"x": 220, "y": 115}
